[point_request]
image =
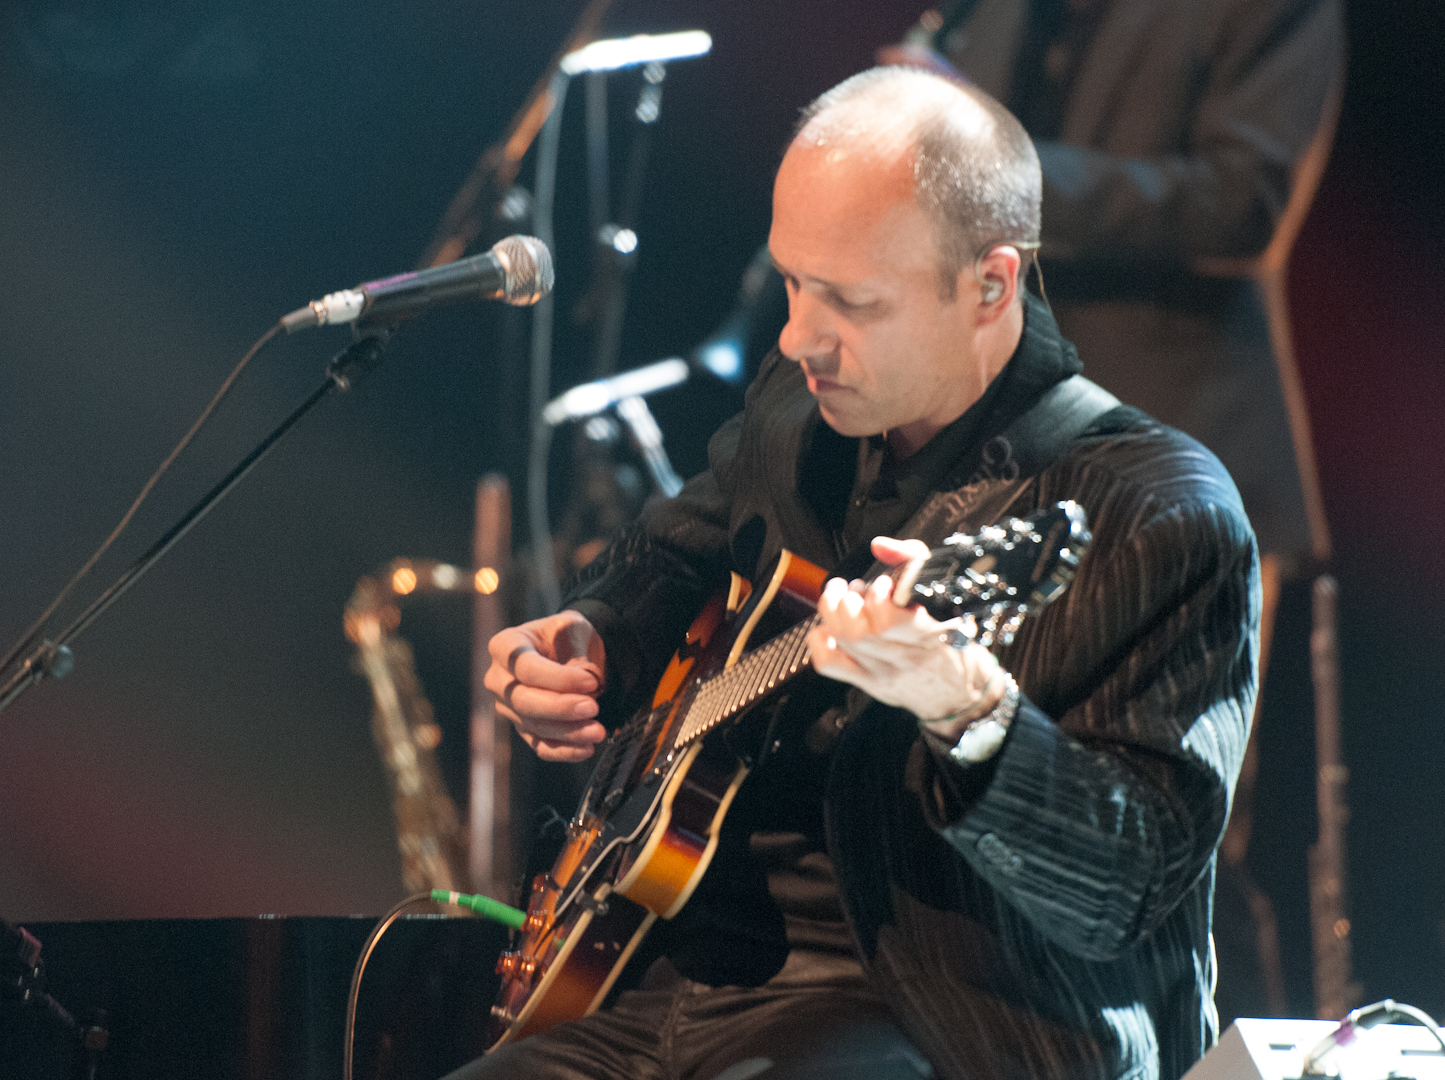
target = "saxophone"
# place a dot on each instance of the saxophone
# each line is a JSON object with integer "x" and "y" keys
{"x": 430, "y": 836}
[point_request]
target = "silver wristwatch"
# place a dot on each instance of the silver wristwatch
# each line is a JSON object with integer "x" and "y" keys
{"x": 982, "y": 738}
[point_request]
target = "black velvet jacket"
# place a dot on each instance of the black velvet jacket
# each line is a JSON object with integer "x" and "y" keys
{"x": 1046, "y": 914}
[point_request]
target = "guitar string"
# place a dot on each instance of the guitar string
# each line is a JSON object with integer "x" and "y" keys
{"x": 782, "y": 668}
{"x": 776, "y": 665}
{"x": 745, "y": 682}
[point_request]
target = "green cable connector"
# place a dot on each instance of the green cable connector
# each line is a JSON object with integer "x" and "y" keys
{"x": 484, "y": 906}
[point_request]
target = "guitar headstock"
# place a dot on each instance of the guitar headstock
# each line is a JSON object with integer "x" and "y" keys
{"x": 1001, "y": 574}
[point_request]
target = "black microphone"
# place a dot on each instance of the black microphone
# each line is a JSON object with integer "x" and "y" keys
{"x": 518, "y": 270}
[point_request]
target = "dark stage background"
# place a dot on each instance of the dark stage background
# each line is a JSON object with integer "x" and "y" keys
{"x": 173, "y": 178}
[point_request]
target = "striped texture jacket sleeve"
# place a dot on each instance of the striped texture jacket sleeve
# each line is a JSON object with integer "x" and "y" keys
{"x": 1047, "y": 914}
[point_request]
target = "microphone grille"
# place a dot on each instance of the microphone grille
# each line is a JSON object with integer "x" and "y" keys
{"x": 528, "y": 267}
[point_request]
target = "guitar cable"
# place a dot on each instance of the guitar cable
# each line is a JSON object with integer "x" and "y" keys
{"x": 484, "y": 906}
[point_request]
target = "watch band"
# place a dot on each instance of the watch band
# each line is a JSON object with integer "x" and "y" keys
{"x": 982, "y": 738}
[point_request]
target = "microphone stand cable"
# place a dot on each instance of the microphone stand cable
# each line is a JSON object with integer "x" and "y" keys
{"x": 27, "y": 639}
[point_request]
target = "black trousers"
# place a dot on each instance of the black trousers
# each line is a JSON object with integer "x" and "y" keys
{"x": 688, "y": 1031}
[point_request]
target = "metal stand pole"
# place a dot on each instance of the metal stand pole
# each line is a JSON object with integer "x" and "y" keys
{"x": 490, "y": 811}
{"x": 1335, "y": 994}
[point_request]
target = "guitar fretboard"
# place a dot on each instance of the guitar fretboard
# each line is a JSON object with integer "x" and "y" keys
{"x": 747, "y": 682}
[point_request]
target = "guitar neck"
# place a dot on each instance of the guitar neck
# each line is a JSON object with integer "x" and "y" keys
{"x": 968, "y": 576}
{"x": 752, "y": 678}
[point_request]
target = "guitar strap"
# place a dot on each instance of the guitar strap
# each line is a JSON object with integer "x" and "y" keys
{"x": 1008, "y": 463}
{"x": 995, "y": 476}
{"x": 1069, "y": 408}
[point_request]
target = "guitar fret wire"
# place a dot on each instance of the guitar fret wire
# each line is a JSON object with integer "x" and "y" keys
{"x": 778, "y": 661}
{"x": 738, "y": 689}
{"x": 759, "y": 681}
{"x": 795, "y": 648}
{"x": 744, "y": 679}
{"x": 735, "y": 697}
{"x": 804, "y": 639}
{"x": 758, "y": 677}
{"x": 742, "y": 683}
{"x": 775, "y": 667}
{"x": 780, "y": 671}
{"x": 788, "y": 657}
{"x": 695, "y": 712}
{"x": 714, "y": 709}
{"x": 797, "y": 661}
{"x": 759, "y": 660}
{"x": 724, "y": 692}
{"x": 761, "y": 664}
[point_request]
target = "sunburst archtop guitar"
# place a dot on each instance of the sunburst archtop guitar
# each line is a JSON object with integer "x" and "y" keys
{"x": 649, "y": 821}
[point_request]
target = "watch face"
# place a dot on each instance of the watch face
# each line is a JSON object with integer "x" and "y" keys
{"x": 979, "y": 742}
{"x": 982, "y": 738}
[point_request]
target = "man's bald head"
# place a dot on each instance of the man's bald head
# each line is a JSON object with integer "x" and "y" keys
{"x": 975, "y": 171}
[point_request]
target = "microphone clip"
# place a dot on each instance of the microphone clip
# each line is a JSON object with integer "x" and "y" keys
{"x": 360, "y": 358}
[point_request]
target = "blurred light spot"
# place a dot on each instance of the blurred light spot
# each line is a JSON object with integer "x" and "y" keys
{"x": 601, "y": 429}
{"x": 724, "y": 359}
{"x": 624, "y": 241}
{"x": 487, "y": 580}
{"x": 427, "y": 736}
{"x": 515, "y": 207}
{"x": 649, "y": 104}
{"x": 403, "y": 580}
{"x": 444, "y": 576}
{"x": 1342, "y": 928}
{"x": 403, "y": 760}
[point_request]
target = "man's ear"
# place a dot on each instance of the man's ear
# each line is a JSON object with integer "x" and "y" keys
{"x": 997, "y": 271}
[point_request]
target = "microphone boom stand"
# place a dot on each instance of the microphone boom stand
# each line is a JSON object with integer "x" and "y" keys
{"x": 54, "y": 658}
